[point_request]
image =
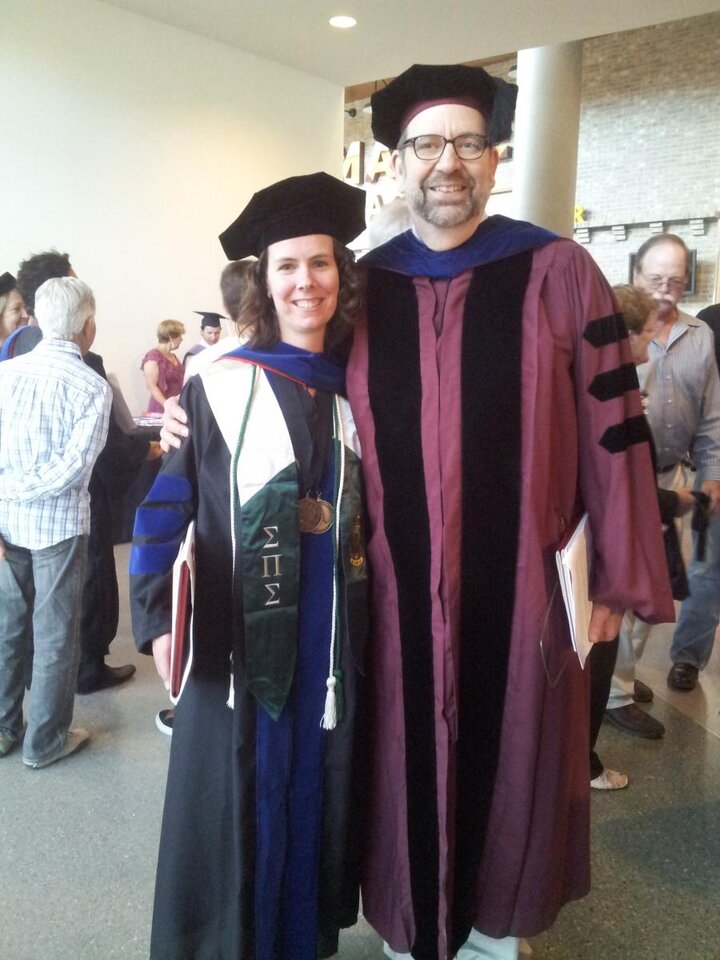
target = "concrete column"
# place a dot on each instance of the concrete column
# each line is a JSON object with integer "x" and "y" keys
{"x": 547, "y": 122}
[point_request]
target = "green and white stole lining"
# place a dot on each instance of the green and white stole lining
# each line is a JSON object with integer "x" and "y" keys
{"x": 264, "y": 521}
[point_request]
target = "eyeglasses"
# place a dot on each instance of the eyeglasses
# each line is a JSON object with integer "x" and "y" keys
{"x": 672, "y": 283}
{"x": 431, "y": 146}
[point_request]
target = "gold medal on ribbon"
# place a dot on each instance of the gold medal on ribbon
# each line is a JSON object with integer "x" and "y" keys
{"x": 315, "y": 515}
{"x": 326, "y": 517}
{"x": 309, "y": 513}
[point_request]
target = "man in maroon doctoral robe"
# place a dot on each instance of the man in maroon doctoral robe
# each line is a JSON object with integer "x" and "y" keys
{"x": 495, "y": 398}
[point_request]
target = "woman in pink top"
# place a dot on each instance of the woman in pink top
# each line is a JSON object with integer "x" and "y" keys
{"x": 162, "y": 369}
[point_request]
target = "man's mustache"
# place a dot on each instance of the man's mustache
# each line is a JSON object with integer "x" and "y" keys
{"x": 456, "y": 181}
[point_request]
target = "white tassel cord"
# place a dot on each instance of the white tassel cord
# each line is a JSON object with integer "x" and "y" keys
{"x": 329, "y": 720}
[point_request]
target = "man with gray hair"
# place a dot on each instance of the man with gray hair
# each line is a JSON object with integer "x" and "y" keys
{"x": 683, "y": 391}
{"x": 54, "y": 415}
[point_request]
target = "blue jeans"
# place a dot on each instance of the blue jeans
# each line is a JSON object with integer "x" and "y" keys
{"x": 42, "y": 588}
{"x": 700, "y": 612}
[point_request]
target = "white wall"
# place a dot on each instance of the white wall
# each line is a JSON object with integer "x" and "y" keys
{"x": 131, "y": 145}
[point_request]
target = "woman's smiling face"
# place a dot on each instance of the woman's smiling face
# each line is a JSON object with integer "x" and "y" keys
{"x": 303, "y": 281}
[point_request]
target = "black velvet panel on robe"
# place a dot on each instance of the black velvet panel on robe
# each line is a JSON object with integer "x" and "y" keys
{"x": 491, "y": 371}
{"x": 490, "y": 368}
{"x": 394, "y": 387}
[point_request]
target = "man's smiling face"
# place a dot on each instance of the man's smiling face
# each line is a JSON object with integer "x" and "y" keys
{"x": 447, "y": 192}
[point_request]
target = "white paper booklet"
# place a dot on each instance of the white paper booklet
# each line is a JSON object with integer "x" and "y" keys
{"x": 572, "y": 564}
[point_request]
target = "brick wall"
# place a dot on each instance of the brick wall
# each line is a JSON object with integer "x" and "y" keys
{"x": 649, "y": 148}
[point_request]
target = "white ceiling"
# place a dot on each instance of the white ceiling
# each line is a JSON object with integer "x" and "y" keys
{"x": 392, "y": 34}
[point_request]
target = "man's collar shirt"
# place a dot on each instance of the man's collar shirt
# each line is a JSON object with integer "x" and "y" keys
{"x": 54, "y": 413}
{"x": 683, "y": 389}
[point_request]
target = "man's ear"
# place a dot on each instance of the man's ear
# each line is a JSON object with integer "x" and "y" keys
{"x": 494, "y": 159}
{"x": 398, "y": 167}
{"x": 86, "y": 337}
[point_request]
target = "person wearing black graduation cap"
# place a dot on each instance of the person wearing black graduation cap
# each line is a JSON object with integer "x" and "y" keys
{"x": 260, "y": 840}
{"x": 210, "y": 332}
{"x": 12, "y": 307}
{"x": 491, "y": 392}
{"x": 495, "y": 397}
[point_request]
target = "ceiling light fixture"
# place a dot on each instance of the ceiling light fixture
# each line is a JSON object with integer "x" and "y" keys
{"x": 342, "y": 23}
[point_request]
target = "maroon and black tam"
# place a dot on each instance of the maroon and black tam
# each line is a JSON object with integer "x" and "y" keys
{"x": 423, "y": 84}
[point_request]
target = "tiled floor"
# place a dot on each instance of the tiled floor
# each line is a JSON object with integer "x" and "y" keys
{"x": 78, "y": 840}
{"x": 655, "y": 845}
{"x": 703, "y": 703}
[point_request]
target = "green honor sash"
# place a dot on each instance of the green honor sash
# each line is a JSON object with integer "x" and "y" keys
{"x": 266, "y": 531}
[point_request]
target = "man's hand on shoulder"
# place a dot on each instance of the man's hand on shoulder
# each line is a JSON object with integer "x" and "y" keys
{"x": 604, "y": 623}
{"x": 174, "y": 428}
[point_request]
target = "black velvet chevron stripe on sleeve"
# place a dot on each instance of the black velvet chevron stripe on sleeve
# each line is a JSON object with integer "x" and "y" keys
{"x": 606, "y": 330}
{"x": 614, "y": 383}
{"x": 623, "y": 435}
{"x": 160, "y": 524}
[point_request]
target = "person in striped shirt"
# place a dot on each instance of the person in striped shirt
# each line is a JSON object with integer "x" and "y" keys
{"x": 54, "y": 414}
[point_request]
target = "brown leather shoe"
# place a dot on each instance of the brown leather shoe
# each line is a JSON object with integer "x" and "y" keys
{"x": 105, "y": 677}
{"x": 74, "y": 740}
{"x": 683, "y": 676}
{"x": 642, "y": 693}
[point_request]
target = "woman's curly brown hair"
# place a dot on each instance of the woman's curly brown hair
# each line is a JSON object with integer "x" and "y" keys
{"x": 635, "y": 306}
{"x": 257, "y": 316}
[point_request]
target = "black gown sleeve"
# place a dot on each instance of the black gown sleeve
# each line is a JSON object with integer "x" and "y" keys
{"x": 161, "y": 522}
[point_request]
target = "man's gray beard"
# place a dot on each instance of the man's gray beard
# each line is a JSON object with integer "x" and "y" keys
{"x": 446, "y": 215}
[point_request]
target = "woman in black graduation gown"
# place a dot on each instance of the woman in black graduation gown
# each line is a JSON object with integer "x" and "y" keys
{"x": 261, "y": 829}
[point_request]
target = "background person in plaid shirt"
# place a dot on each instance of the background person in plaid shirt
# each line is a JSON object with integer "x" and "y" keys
{"x": 54, "y": 415}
